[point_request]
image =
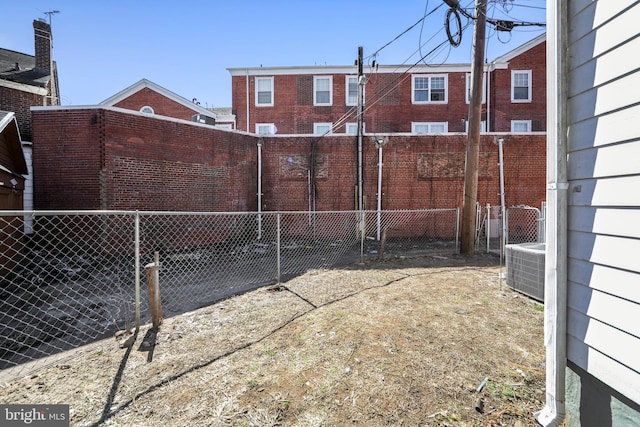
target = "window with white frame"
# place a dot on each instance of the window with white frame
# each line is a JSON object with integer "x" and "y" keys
{"x": 322, "y": 128}
{"x": 147, "y": 110}
{"x": 521, "y": 86}
{"x": 352, "y": 90}
{"x": 483, "y": 126}
{"x": 265, "y": 128}
{"x": 322, "y": 93}
{"x": 429, "y": 127}
{"x": 352, "y": 128}
{"x": 484, "y": 88}
{"x": 264, "y": 91}
{"x": 520, "y": 125}
{"x": 429, "y": 89}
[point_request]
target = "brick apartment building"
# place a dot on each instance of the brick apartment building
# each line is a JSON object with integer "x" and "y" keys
{"x": 150, "y": 98}
{"x": 29, "y": 80}
{"x": 422, "y": 99}
{"x": 26, "y": 81}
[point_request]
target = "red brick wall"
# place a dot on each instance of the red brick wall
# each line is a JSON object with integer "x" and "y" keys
{"x": 20, "y": 103}
{"x": 503, "y": 110}
{"x": 388, "y": 106}
{"x": 161, "y": 104}
{"x": 419, "y": 172}
{"x": 104, "y": 159}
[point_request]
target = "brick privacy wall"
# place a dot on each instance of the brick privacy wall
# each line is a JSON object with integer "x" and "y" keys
{"x": 419, "y": 172}
{"x": 104, "y": 159}
{"x": 503, "y": 110}
{"x": 20, "y": 103}
{"x": 161, "y": 104}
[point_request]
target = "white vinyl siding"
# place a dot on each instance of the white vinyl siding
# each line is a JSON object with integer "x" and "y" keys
{"x": 429, "y": 89}
{"x": 429, "y": 127}
{"x": 322, "y": 90}
{"x": 603, "y": 294}
{"x": 521, "y": 86}
{"x": 264, "y": 91}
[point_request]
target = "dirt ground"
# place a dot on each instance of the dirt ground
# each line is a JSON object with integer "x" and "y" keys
{"x": 397, "y": 342}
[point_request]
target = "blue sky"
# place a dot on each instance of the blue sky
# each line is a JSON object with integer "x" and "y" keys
{"x": 102, "y": 47}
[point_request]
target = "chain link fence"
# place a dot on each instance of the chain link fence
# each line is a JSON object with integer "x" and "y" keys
{"x": 77, "y": 277}
{"x": 523, "y": 224}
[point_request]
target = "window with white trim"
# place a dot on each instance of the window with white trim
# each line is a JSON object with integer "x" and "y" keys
{"x": 352, "y": 128}
{"x": 429, "y": 127}
{"x": 147, "y": 110}
{"x": 484, "y": 88}
{"x": 520, "y": 85}
{"x": 429, "y": 89}
{"x": 265, "y": 128}
{"x": 322, "y": 90}
{"x": 264, "y": 91}
{"x": 483, "y": 126}
{"x": 351, "y": 90}
{"x": 322, "y": 128}
{"x": 520, "y": 126}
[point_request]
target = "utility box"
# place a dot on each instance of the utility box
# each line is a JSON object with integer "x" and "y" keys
{"x": 525, "y": 268}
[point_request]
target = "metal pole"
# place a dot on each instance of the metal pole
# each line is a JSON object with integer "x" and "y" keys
{"x": 488, "y": 226}
{"x": 278, "y": 244}
{"x": 457, "y": 228}
{"x": 502, "y": 203}
{"x": 260, "y": 142}
{"x": 379, "y": 189}
{"x": 137, "y": 267}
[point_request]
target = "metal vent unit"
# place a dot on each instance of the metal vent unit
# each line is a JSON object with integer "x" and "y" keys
{"x": 525, "y": 268}
{"x": 201, "y": 118}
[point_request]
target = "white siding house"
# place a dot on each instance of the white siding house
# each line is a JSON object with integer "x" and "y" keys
{"x": 593, "y": 253}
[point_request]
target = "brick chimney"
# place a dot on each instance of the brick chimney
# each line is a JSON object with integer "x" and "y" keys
{"x": 42, "y": 36}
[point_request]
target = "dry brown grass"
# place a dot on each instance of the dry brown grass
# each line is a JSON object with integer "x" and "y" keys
{"x": 404, "y": 342}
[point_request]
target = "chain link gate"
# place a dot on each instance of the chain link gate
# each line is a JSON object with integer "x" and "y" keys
{"x": 71, "y": 278}
{"x": 523, "y": 224}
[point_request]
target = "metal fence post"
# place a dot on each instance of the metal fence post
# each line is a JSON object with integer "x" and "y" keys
{"x": 457, "y": 228}
{"x": 137, "y": 267}
{"x": 278, "y": 245}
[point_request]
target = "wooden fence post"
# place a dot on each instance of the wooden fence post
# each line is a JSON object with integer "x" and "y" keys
{"x": 153, "y": 286}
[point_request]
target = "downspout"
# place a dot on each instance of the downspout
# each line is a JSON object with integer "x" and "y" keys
{"x": 555, "y": 299}
{"x": 488, "y": 80}
{"x": 259, "y": 144}
{"x": 247, "y": 91}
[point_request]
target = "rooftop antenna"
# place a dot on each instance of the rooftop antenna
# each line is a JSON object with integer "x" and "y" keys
{"x": 51, "y": 12}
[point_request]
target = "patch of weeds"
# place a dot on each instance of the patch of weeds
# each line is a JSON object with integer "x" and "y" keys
{"x": 253, "y": 384}
{"x": 538, "y": 307}
{"x": 502, "y": 391}
{"x": 270, "y": 352}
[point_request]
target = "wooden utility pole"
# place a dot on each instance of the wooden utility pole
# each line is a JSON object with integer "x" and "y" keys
{"x": 473, "y": 135}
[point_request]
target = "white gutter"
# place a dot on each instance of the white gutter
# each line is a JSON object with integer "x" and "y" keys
{"x": 555, "y": 299}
